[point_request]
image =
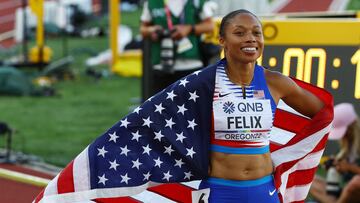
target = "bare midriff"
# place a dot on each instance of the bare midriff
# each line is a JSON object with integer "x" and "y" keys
{"x": 240, "y": 166}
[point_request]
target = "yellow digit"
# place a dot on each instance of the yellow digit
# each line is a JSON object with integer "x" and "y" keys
{"x": 294, "y": 52}
{"x": 310, "y": 54}
{"x": 355, "y": 59}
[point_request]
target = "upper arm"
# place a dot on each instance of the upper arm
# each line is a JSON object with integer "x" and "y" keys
{"x": 144, "y": 29}
{"x": 293, "y": 95}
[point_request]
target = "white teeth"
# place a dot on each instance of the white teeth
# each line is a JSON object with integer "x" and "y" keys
{"x": 249, "y": 49}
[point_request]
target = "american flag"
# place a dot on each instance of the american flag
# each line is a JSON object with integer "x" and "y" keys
{"x": 259, "y": 94}
{"x": 166, "y": 141}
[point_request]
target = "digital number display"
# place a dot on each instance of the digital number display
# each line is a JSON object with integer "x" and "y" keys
{"x": 335, "y": 68}
{"x": 321, "y": 51}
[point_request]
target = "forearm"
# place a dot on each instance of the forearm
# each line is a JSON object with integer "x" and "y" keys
{"x": 354, "y": 169}
{"x": 147, "y": 30}
{"x": 205, "y": 26}
{"x": 184, "y": 30}
{"x": 298, "y": 98}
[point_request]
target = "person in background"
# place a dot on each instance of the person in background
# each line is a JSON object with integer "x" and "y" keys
{"x": 345, "y": 129}
{"x": 174, "y": 28}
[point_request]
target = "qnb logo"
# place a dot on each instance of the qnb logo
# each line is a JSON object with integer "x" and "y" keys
{"x": 229, "y": 107}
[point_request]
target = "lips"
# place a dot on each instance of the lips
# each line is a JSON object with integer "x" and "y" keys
{"x": 249, "y": 49}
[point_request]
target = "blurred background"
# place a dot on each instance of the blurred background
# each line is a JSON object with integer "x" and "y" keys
{"x": 70, "y": 69}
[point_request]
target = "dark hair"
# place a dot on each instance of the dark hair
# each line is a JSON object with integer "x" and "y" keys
{"x": 226, "y": 19}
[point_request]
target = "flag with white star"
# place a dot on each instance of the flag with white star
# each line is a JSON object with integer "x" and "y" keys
{"x": 160, "y": 141}
{"x": 166, "y": 141}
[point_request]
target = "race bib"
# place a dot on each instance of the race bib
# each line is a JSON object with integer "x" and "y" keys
{"x": 242, "y": 119}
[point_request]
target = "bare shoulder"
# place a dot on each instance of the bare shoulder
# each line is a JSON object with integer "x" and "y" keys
{"x": 284, "y": 88}
{"x": 272, "y": 75}
{"x": 279, "y": 84}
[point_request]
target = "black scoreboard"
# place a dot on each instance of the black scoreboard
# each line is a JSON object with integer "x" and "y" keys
{"x": 321, "y": 51}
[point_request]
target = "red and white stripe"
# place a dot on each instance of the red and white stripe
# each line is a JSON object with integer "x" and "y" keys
{"x": 297, "y": 144}
{"x": 7, "y": 21}
{"x": 73, "y": 185}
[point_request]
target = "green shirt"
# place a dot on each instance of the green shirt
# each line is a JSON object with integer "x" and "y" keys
{"x": 191, "y": 16}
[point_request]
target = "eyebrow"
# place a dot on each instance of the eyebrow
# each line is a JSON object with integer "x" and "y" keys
{"x": 240, "y": 26}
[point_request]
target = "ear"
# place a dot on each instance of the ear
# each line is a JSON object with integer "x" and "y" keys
{"x": 222, "y": 41}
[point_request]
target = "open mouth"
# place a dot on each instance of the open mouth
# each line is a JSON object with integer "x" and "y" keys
{"x": 249, "y": 49}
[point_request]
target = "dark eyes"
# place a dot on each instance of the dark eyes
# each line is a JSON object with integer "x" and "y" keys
{"x": 255, "y": 33}
{"x": 239, "y": 33}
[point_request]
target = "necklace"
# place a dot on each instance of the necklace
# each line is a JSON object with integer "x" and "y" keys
{"x": 243, "y": 85}
{"x": 237, "y": 82}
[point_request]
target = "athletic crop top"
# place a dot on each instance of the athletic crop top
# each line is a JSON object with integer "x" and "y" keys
{"x": 242, "y": 118}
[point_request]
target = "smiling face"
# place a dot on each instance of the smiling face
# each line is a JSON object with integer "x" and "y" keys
{"x": 243, "y": 39}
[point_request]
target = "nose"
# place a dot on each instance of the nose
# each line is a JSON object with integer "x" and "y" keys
{"x": 250, "y": 37}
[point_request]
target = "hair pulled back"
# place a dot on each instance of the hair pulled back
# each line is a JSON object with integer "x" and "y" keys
{"x": 226, "y": 19}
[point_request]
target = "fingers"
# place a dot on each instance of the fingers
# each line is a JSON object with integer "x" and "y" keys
{"x": 342, "y": 166}
{"x": 181, "y": 31}
{"x": 155, "y": 30}
{"x": 176, "y": 34}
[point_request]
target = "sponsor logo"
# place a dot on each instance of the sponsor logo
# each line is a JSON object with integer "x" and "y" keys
{"x": 271, "y": 193}
{"x": 229, "y": 107}
{"x": 223, "y": 95}
{"x": 243, "y": 136}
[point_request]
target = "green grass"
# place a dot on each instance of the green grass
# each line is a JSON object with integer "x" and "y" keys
{"x": 131, "y": 19}
{"x": 354, "y": 5}
{"x": 134, "y": 24}
{"x": 58, "y": 128}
